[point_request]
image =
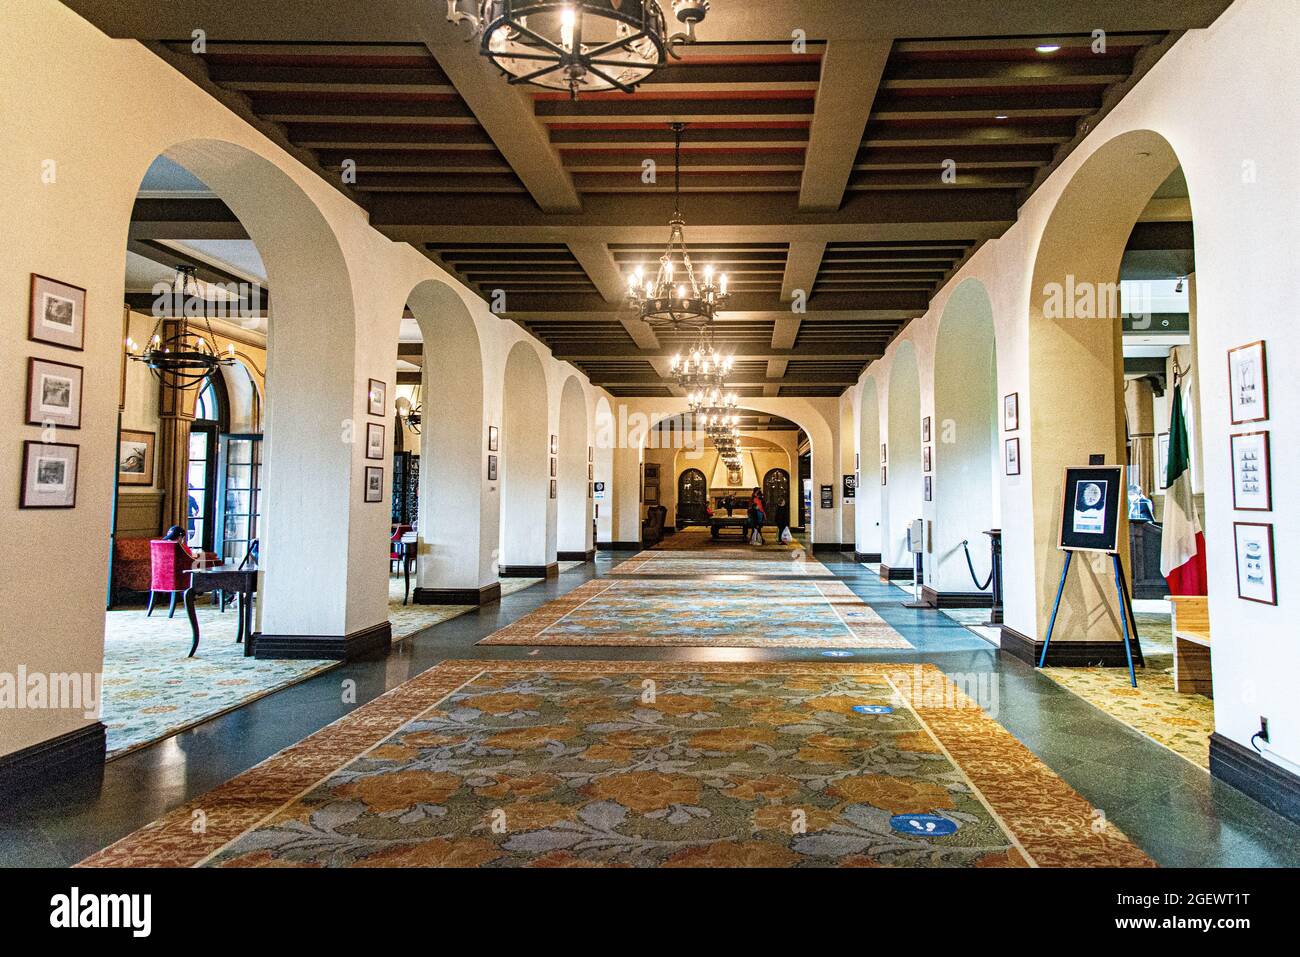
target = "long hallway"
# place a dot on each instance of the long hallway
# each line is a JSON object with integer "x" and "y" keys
{"x": 552, "y": 729}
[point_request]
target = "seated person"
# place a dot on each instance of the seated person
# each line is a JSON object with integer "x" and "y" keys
{"x": 177, "y": 534}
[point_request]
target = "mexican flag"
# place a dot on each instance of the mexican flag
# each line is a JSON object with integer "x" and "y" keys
{"x": 1182, "y": 545}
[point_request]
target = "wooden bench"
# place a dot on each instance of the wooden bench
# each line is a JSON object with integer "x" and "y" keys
{"x": 1191, "y": 628}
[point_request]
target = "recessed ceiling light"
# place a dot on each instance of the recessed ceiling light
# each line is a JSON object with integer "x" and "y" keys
{"x": 1048, "y": 48}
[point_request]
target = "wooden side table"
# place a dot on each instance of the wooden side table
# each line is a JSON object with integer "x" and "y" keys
{"x": 225, "y": 578}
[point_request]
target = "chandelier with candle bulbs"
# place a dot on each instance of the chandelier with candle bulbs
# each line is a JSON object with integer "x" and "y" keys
{"x": 182, "y": 355}
{"x": 580, "y": 46}
{"x": 676, "y": 297}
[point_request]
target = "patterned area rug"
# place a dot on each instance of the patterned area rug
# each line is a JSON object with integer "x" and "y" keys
{"x": 701, "y": 539}
{"x": 1182, "y": 723}
{"x": 646, "y": 764}
{"x": 785, "y": 614}
{"x": 152, "y": 690}
{"x": 756, "y": 563}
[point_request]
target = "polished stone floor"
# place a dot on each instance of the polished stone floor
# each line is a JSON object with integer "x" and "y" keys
{"x": 1172, "y": 810}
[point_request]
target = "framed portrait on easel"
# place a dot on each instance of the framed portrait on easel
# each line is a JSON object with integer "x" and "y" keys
{"x": 1090, "y": 509}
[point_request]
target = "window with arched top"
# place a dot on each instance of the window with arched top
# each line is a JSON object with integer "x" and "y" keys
{"x": 776, "y": 488}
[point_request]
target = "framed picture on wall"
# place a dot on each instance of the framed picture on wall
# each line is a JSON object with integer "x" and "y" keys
{"x": 552, "y": 488}
{"x": 494, "y": 439}
{"x": 1252, "y": 481}
{"x": 1012, "y": 457}
{"x": 553, "y": 466}
{"x": 591, "y": 472}
{"x": 555, "y": 444}
{"x": 135, "y": 457}
{"x": 492, "y": 468}
{"x": 1248, "y": 383}
{"x": 49, "y": 475}
{"x": 884, "y": 475}
{"x": 1256, "y": 576}
{"x": 374, "y": 483}
{"x": 925, "y": 429}
{"x": 591, "y": 453}
{"x": 884, "y": 453}
{"x": 1011, "y": 412}
{"x": 926, "y": 461}
{"x": 374, "y": 440}
{"x": 929, "y": 489}
{"x": 378, "y": 397}
{"x": 857, "y": 461}
{"x": 53, "y": 393}
{"x": 57, "y": 313}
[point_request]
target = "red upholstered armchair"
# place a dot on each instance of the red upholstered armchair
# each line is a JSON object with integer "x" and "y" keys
{"x": 395, "y": 549}
{"x": 169, "y": 561}
{"x": 131, "y": 567}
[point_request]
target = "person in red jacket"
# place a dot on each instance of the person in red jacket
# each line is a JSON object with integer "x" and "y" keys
{"x": 757, "y": 515}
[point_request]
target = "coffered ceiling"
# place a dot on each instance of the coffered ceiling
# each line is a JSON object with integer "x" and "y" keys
{"x": 813, "y": 172}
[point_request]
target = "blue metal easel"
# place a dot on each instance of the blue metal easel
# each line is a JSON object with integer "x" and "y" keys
{"x": 1126, "y": 617}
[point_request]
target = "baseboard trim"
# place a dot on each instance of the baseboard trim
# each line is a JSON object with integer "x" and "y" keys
{"x": 897, "y": 574}
{"x": 368, "y": 641}
{"x": 955, "y": 599}
{"x": 576, "y": 556}
{"x": 530, "y": 571}
{"x": 1255, "y": 776}
{"x": 872, "y": 558}
{"x": 831, "y": 547}
{"x": 79, "y": 754}
{"x": 618, "y": 546}
{"x": 1066, "y": 654}
{"x": 458, "y": 596}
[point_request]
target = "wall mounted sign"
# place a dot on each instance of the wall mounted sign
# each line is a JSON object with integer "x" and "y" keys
{"x": 1013, "y": 456}
{"x": 1090, "y": 508}
{"x": 1011, "y": 412}
{"x": 374, "y": 483}
{"x": 53, "y": 393}
{"x": 378, "y": 397}
{"x": 57, "y": 313}
{"x": 49, "y": 475}
{"x": 828, "y": 496}
{"x": 598, "y": 489}
{"x": 923, "y": 825}
{"x": 135, "y": 457}
{"x": 494, "y": 439}
{"x": 850, "y": 487}
{"x": 1256, "y": 576}
{"x": 1252, "y": 483}
{"x": 1248, "y": 383}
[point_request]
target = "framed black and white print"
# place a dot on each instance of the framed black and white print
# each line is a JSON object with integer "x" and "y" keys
{"x": 1162, "y": 460}
{"x": 927, "y": 462}
{"x": 553, "y": 466}
{"x": 374, "y": 483}
{"x": 377, "y": 397}
{"x": 591, "y": 472}
{"x": 1090, "y": 509}
{"x": 374, "y": 440}
{"x": 929, "y": 488}
{"x": 492, "y": 468}
{"x": 1256, "y": 576}
{"x": 552, "y": 488}
{"x": 53, "y": 393}
{"x": 591, "y": 453}
{"x": 494, "y": 439}
{"x": 1011, "y": 412}
{"x": 1252, "y": 481}
{"x": 555, "y": 444}
{"x": 884, "y": 475}
{"x": 49, "y": 475}
{"x": 884, "y": 453}
{"x": 135, "y": 457}
{"x": 925, "y": 429}
{"x": 57, "y": 313}
{"x": 1248, "y": 383}
{"x": 1012, "y": 457}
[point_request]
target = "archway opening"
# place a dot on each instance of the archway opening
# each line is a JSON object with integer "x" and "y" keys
{"x": 870, "y": 470}
{"x": 575, "y": 473}
{"x": 901, "y": 472}
{"x": 527, "y": 509}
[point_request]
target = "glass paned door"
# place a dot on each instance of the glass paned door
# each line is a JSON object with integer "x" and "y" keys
{"x": 241, "y": 494}
{"x": 200, "y": 474}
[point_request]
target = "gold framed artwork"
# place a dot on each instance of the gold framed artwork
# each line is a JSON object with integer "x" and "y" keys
{"x": 135, "y": 457}
{"x": 57, "y": 313}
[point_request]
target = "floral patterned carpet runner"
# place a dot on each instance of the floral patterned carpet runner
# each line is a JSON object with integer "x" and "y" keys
{"x": 647, "y": 764}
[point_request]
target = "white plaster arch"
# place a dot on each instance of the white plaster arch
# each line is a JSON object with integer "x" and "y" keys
{"x": 902, "y": 496}
{"x": 527, "y": 510}
{"x": 868, "y": 514}
{"x": 573, "y": 504}
{"x": 964, "y": 438}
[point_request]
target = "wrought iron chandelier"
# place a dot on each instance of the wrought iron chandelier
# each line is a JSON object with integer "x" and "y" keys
{"x": 409, "y": 413}
{"x": 182, "y": 357}
{"x": 580, "y": 46}
{"x": 676, "y": 298}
